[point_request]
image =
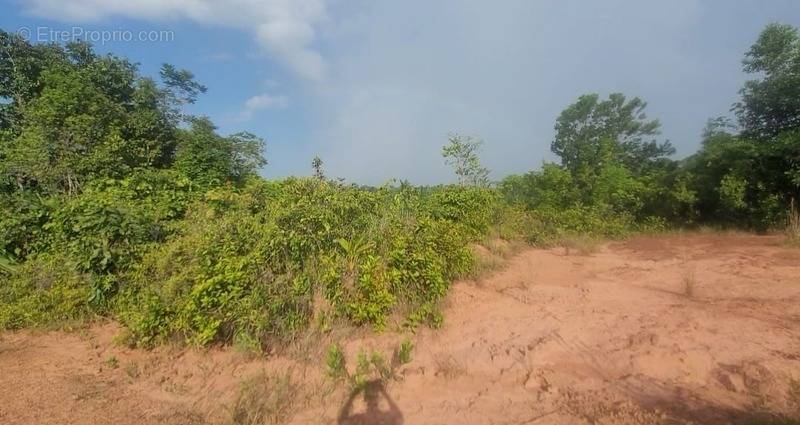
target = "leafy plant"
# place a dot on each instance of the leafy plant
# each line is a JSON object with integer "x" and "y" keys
{"x": 336, "y": 362}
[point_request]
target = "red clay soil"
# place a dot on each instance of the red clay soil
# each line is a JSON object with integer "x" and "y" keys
{"x": 694, "y": 328}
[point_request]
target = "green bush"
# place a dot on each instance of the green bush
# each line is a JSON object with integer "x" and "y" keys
{"x": 248, "y": 262}
{"x": 44, "y": 291}
{"x": 23, "y": 216}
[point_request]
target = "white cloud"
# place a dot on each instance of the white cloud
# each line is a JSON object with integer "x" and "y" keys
{"x": 285, "y": 28}
{"x": 259, "y": 102}
{"x": 401, "y": 75}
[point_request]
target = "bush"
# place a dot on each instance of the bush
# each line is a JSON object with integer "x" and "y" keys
{"x": 249, "y": 262}
{"x": 23, "y": 216}
{"x": 44, "y": 291}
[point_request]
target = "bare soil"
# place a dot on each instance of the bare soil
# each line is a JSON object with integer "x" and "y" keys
{"x": 684, "y": 328}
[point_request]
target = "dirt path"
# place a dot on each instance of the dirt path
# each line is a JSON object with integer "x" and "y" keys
{"x": 669, "y": 329}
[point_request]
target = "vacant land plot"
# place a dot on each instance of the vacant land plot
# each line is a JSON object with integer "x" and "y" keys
{"x": 701, "y": 328}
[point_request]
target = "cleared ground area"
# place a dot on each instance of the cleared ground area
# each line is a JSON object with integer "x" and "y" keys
{"x": 685, "y": 328}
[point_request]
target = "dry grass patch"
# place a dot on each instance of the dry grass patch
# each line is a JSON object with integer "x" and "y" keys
{"x": 580, "y": 244}
{"x": 266, "y": 399}
{"x": 689, "y": 284}
{"x": 793, "y": 225}
{"x": 448, "y": 367}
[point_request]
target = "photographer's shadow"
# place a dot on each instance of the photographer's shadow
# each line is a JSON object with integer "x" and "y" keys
{"x": 373, "y": 392}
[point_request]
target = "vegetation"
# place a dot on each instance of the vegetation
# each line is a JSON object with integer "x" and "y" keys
{"x": 266, "y": 399}
{"x": 114, "y": 202}
{"x": 370, "y": 366}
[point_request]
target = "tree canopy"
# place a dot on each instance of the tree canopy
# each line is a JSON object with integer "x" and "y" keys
{"x": 71, "y": 116}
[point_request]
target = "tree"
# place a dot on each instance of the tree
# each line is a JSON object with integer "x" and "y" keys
{"x": 69, "y": 133}
{"x": 247, "y": 155}
{"x": 316, "y": 164}
{"x": 771, "y": 105}
{"x": 591, "y": 133}
{"x": 21, "y": 65}
{"x": 69, "y": 115}
{"x": 210, "y": 159}
{"x": 181, "y": 84}
{"x": 462, "y": 154}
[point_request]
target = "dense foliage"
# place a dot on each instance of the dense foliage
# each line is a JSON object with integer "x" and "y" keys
{"x": 614, "y": 172}
{"x": 114, "y": 202}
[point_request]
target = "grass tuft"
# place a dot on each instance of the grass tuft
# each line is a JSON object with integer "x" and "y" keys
{"x": 689, "y": 283}
{"x": 266, "y": 399}
{"x": 793, "y": 224}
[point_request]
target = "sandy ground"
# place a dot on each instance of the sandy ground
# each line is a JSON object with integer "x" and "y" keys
{"x": 697, "y": 328}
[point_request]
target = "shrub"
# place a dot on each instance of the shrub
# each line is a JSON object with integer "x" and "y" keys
{"x": 247, "y": 262}
{"x": 44, "y": 291}
{"x": 23, "y": 217}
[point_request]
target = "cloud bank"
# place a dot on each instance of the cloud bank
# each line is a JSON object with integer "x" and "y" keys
{"x": 285, "y": 28}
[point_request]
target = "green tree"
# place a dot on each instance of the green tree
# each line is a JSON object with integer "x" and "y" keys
{"x": 68, "y": 115}
{"x": 210, "y": 159}
{"x": 316, "y": 165}
{"x": 771, "y": 105}
{"x": 461, "y": 153}
{"x": 21, "y": 65}
{"x": 71, "y": 132}
{"x": 592, "y": 133}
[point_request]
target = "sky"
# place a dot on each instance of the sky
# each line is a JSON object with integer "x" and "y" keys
{"x": 374, "y": 87}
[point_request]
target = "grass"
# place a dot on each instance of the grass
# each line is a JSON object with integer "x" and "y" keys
{"x": 689, "y": 283}
{"x": 112, "y": 362}
{"x": 492, "y": 254}
{"x": 266, "y": 399}
{"x": 132, "y": 370}
{"x": 793, "y": 225}
{"x": 448, "y": 367}
{"x": 794, "y": 396}
{"x": 485, "y": 263}
{"x": 402, "y": 354}
{"x": 580, "y": 244}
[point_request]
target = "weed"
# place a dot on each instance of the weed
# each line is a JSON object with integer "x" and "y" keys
{"x": 363, "y": 369}
{"x": 689, "y": 283}
{"x": 370, "y": 366}
{"x": 794, "y": 396}
{"x": 402, "y": 354}
{"x": 793, "y": 224}
{"x": 266, "y": 399}
{"x": 132, "y": 370}
{"x": 336, "y": 362}
{"x": 580, "y": 244}
{"x": 448, "y": 367}
{"x": 112, "y": 362}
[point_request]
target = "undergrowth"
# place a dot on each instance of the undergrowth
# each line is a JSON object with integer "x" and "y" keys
{"x": 253, "y": 266}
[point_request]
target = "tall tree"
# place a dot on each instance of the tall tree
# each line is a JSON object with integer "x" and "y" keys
{"x": 591, "y": 133}
{"x": 68, "y": 115}
{"x": 69, "y": 133}
{"x": 771, "y": 105}
{"x": 316, "y": 165}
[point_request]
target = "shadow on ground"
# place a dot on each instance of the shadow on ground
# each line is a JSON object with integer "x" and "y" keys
{"x": 373, "y": 392}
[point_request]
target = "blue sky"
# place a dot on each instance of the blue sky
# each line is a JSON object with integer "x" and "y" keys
{"x": 375, "y": 86}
